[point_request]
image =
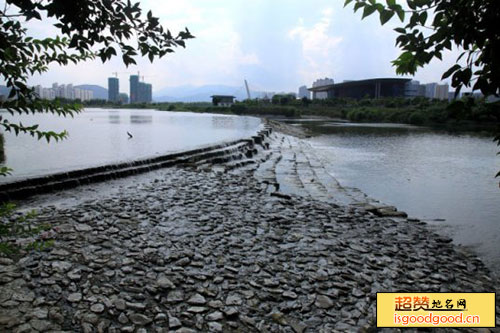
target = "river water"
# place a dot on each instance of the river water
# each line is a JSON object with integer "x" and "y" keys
{"x": 443, "y": 178}
{"x": 99, "y": 137}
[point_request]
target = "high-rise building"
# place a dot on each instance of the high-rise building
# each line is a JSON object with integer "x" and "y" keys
{"x": 320, "y": 83}
{"x": 38, "y": 90}
{"x": 140, "y": 92}
{"x": 141, "y": 95}
{"x": 113, "y": 89}
{"x": 303, "y": 92}
{"x": 442, "y": 91}
{"x": 148, "y": 97}
{"x": 134, "y": 88}
{"x": 430, "y": 90}
{"x": 438, "y": 91}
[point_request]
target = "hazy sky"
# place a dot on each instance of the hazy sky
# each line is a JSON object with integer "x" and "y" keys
{"x": 276, "y": 45}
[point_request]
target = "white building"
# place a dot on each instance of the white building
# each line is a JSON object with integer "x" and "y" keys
{"x": 319, "y": 83}
{"x": 48, "y": 93}
{"x": 430, "y": 90}
{"x": 442, "y": 91}
{"x": 63, "y": 91}
{"x": 38, "y": 90}
{"x": 437, "y": 91}
{"x": 303, "y": 92}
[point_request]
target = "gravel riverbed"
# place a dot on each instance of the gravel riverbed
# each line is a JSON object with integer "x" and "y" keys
{"x": 189, "y": 250}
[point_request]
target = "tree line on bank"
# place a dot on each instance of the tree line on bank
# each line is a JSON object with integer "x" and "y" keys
{"x": 466, "y": 112}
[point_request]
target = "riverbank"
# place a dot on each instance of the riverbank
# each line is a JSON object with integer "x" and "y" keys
{"x": 270, "y": 246}
{"x": 462, "y": 115}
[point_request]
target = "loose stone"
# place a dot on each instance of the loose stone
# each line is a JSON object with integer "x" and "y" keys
{"x": 97, "y": 308}
{"x": 197, "y": 309}
{"x": 175, "y": 296}
{"x": 324, "y": 302}
{"x": 174, "y": 322}
{"x": 289, "y": 294}
{"x": 75, "y": 297}
{"x": 234, "y": 300}
{"x": 196, "y": 299}
{"x": 214, "y": 327}
{"x": 122, "y": 318}
{"x": 140, "y": 319}
{"x": 214, "y": 316}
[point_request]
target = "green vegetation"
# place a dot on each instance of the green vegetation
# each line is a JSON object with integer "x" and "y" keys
{"x": 12, "y": 228}
{"x": 466, "y": 113}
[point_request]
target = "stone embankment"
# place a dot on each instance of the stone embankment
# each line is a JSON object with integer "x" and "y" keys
{"x": 272, "y": 245}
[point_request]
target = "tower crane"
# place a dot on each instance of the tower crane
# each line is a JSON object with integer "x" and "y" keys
{"x": 248, "y": 90}
{"x": 116, "y": 73}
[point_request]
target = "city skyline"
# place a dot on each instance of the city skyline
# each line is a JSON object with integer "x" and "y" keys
{"x": 67, "y": 91}
{"x": 142, "y": 91}
{"x": 317, "y": 39}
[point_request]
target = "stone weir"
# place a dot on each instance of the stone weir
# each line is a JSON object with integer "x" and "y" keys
{"x": 239, "y": 152}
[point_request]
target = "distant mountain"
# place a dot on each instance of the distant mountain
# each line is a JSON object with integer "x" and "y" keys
{"x": 200, "y": 93}
{"x": 99, "y": 92}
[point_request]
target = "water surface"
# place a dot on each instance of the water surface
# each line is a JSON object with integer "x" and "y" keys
{"x": 440, "y": 177}
{"x": 99, "y": 137}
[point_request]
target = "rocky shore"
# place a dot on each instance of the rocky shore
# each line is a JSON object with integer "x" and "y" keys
{"x": 267, "y": 244}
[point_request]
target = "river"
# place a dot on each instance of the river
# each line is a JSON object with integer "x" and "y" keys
{"x": 443, "y": 178}
{"x": 446, "y": 179}
{"x": 99, "y": 137}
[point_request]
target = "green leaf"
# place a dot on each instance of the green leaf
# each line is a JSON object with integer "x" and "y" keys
{"x": 368, "y": 11}
{"x": 422, "y": 3}
{"x": 401, "y": 13}
{"x": 423, "y": 18}
{"x": 358, "y": 5}
{"x": 385, "y": 16}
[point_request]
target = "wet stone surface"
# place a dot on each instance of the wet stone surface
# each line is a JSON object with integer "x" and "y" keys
{"x": 182, "y": 250}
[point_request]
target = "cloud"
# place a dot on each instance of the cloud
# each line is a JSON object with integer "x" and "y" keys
{"x": 318, "y": 46}
{"x": 216, "y": 55}
{"x": 248, "y": 39}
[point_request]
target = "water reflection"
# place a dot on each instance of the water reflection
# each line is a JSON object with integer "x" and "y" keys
{"x": 222, "y": 122}
{"x": 141, "y": 119}
{"x": 114, "y": 118}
